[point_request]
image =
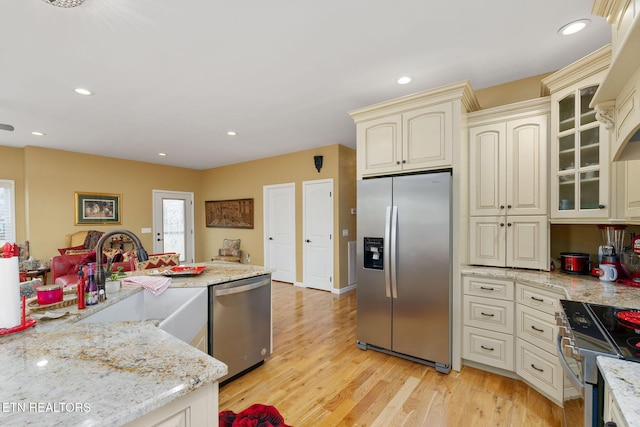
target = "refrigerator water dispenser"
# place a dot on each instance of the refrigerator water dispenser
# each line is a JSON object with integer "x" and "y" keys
{"x": 373, "y": 251}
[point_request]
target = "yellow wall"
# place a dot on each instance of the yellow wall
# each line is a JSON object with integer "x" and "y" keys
{"x": 46, "y": 180}
{"x": 52, "y": 177}
{"x": 508, "y": 93}
{"x": 246, "y": 180}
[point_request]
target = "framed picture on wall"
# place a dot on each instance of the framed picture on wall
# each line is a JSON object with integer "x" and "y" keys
{"x": 229, "y": 213}
{"x": 98, "y": 208}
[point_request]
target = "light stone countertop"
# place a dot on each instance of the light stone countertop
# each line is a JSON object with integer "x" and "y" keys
{"x": 624, "y": 380}
{"x": 108, "y": 373}
{"x": 584, "y": 288}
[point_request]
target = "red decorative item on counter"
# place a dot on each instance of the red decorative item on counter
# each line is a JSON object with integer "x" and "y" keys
{"x": 25, "y": 324}
{"x": 7, "y": 250}
{"x": 80, "y": 285}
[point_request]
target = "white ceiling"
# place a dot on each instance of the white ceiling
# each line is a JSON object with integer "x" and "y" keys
{"x": 175, "y": 76}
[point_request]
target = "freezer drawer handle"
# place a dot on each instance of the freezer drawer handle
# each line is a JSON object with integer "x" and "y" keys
{"x": 240, "y": 289}
{"x": 487, "y": 348}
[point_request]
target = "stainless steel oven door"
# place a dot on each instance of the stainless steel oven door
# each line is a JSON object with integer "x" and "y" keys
{"x": 572, "y": 367}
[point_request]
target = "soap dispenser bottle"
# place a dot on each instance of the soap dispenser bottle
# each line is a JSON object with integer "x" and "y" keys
{"x": 91, "y": 292}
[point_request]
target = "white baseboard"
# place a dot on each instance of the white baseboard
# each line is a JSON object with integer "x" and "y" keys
{"x": 345, "y": 289}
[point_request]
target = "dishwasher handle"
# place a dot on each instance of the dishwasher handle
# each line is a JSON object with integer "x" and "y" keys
{"x": 242, "y": 288}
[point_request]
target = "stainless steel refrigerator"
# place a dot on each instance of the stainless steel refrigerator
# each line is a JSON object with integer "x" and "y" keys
{"x": 404, "y": 267}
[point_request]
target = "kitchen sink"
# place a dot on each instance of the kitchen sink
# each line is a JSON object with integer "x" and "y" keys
{"x": 182, "y": 312}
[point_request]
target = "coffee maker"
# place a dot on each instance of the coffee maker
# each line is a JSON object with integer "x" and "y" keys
{"x": 612, "y": 246}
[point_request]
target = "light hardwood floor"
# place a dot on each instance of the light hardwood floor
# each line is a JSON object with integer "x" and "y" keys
{"x": 318, "y": 377}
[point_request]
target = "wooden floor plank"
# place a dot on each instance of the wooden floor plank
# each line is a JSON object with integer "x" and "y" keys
{"x": 317, "y": 376}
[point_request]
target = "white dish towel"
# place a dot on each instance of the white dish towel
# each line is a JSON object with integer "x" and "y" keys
{"x": 155, "y": 285}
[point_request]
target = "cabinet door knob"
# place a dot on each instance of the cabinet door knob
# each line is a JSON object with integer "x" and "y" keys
{"x": 601, "y": 206}
{"x": 404, "y": 161}
{"x": 502, "y": 224}
{"x": 508, "y": 224}
{"x": 501, "y": 206}
{"x": 308, "y": 241}
{"x": 508, "y": 206}
{"x": 398, "y": 162}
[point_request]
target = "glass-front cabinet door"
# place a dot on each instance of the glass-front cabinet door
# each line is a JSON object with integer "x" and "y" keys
{"x": 579, "y": 158}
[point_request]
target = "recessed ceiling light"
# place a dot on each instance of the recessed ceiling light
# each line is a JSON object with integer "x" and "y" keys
{"x": 573, "y": 27}
{"x": 82, "y": 91}
{"x": 162, "y": 154}
{"x": 404, "y": 80}
{"x": 36, "y": 133}
{"x": 231, "y": 133}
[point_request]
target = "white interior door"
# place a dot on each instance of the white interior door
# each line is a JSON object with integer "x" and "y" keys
{"x": 280, "y": 231}
{"x": 318, "y": 233}
{"x": 173, "y": 224}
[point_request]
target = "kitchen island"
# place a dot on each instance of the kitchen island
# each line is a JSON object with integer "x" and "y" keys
{"x": 65, "y": 373}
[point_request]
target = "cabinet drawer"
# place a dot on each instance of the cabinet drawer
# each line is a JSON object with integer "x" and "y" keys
{"x": 536, "y": 327}
{"x": 495, "y": 315}
{"x": 487, "y": 347}
{"x": 491, "y": 288}
{"x": 540, "y": 369}
{"x": 537, "y": 298}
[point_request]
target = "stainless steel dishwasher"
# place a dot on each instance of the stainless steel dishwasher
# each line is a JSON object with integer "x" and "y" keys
{"x": 240, "y": 324}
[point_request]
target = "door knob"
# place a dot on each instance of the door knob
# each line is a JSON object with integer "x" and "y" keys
{"x": 270, "y": 238}
{"x": 308, "y": 241}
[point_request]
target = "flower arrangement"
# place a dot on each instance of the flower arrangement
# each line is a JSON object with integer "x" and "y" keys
{"x": 117, "y": 275}
{"x": 256, "y": 415}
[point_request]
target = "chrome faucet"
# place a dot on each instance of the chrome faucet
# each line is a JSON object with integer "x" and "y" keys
{"x": 100, "y": 273}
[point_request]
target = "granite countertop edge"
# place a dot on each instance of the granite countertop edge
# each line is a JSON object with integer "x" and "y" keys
{"x": 166, "y": 367}
{"x": 623, "y": 378}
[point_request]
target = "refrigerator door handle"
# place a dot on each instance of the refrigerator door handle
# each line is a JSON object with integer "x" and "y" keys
{"x": 385, "y": 253}
{"x": 394, "y": 245}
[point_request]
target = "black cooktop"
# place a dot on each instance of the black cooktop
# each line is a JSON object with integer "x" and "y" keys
{"x": 626, "y": 336}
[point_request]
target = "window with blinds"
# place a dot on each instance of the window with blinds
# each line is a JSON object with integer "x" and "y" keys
{"x": 7, "y": 212}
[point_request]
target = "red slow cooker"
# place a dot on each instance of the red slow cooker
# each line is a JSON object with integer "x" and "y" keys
{"x": 575, "y": 262}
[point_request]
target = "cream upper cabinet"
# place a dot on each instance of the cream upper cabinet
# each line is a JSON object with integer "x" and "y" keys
{"x": 380, "y": 145}
{"x": 417, "y": 139}
{"x": 580, "y": 167}
{"x": 508, "y": 169}
{"x": 413, "y": 133}
{"x": 632, "y": 189}
{"x": 426, "y": 137}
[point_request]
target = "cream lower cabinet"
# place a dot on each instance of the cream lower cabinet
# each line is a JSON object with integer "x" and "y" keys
{"x": 487, "y": 330}
{"x": 511, "y": 241}
{"x": 198, "y": 408}
{"x": 511, "y": 326}
{"x": 536, "y": 357}
{"x": 611, "y": 410}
